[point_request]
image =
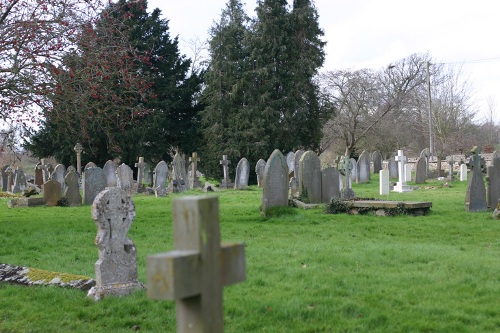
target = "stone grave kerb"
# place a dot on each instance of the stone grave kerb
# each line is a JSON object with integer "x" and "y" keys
{"x": 195, "y": 272}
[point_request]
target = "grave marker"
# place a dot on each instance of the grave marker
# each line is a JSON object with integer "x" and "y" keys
{"x": 52, "y": 192}
{"x": 125, "y": 178}
{"x": 377, "y": 161}
{"x": 290, "y": 161}
{"x": 179, "y": 176}
{"x": 401, "y": 184}
{"x": 275, "y": 182}
{"x": 160, "y": 179}
{"x": 72, "y": 191}
{"x": 493, "y": 181}
{"x": 226, "y": 182}
{"x": 296, "y": 165}
{"x": 329, "y": 184}
{"x": 463, "y": 172}
{"x": 310, "y": 178}
{"x": 196, "y": 271}
{"x": 110, "y": 173}
{"x": 259, "y": 170}
{"x": 363, "y": 168}
{"x": 93, "y": 182}
{"x": 242, "y": 174}
{"x": 475, "y": 198}
{"x": 421, "y": 171}
{"x": 392, "y": 166}
{"x": 194, "y": 180}
{"x": 58, "y": 174}
{"x": 384, "y": 182}
{"x": 141, "y": 167}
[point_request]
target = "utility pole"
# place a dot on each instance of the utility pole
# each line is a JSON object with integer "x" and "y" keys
{"x": 431, "y": 139}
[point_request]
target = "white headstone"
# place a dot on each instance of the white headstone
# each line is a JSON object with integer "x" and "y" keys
{"x": 463, "y": 172}
{"x": 401, "y": 184}
{"x": 384, "y": 182}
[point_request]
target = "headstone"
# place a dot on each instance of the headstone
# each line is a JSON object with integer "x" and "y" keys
{"x": 179, "y": 176}
{"x": 377, "y": 161}
{"x": 329, "y": 184}
{"x": 363, "y": 168}
{"x": 52, "y": 192}
{"x": 194, "y": 179}
{"x": 345, "y": 169}
{"x": 293, "y": 184}
{"x": 275, "y": 183}
{"x": 47, "y": 169}
{"x": 463, "y": 172}
{"x": 290, "y": 160}
{"x": 392, "y": 166}
{"x": 110, "y": 173}
{"x": 195, "y": 273}
{"x": 296, "y": 164}
{"x": 58, "y": 174}
{"x": 72, "y": 191}
{"x": 401, "y": 184}
{"x": 493, "y": 181}
{"x": 451, "y": 172}
{"x": 10, "y": 178}
{"x": 310, "y": 178}
{"x": 384, "y": 182}
{"x": 93, "y": 182}
{"x": 38, "y": 175}
{"x": 226, "y": 182}
{"x": 78, "y": 148}
{"x": 5, "y": 178}
{"x": 160, "y": 179}
{"x": 425, "y": 153}
{"x": 141, "y": 166}
{"x": 421, "y": 171}
{"x": 125, "y": 178}
{"x": 242, "y": 174}
{"x": 116, "y": 270}
{"x": 354, "y": 170}
{"x": 407, "y": 172}
{"x": 89, "y": 165}
{"x": 20, "y": 182}
{"x": 259, "y": 170}
{"x": 475, "y": 199}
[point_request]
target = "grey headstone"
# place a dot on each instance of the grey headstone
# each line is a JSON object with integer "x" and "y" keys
{"x": 290, "y": 161}
{"x": 160, "y": 179}
{"x": 20, "y": 182}
{"x": 421, "y": 171}
{"x": 363, "y": 168}
{"x": 38, "y": 175}
{"x": 116, "y": 270}
{"x": 393, "y": 168}
{"x": 310, "y": 177}
{"x": 493, "y": 181}
{"x": 125, "y": 178}
{"x": 296, "y": 164}
{"x": 52, "y": 192}
{"x": 259, "y": 170}
{"x": 242, "y": 174}
{"x": 110, "y": 173}
{"x": 5, "y": 178}
{"x": 354, "y": 171}
{"x": 179, "y": 174}
{"x": 475, "y": 199}
{"x": 330, "y": 187}
{"x": 275, "y": 182}
{"x": 58, "y": 174}
{"x": 93, "y": 182}
{"x": 377, "y": 162}
{"x": 89, "y": 165}
{"x": 72, "y": 191}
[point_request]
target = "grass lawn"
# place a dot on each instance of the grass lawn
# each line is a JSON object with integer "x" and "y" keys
{"x": 307, "y": 271}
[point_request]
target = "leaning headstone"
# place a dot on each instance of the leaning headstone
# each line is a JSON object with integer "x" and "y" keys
{"x": 290, "y": 160}
{"x": 179, "y": 175}
{"x": 329, "y": 184}
{"x": 125, "y": 178}
{"x": 310, "y": 178}
{"x": 195, "y": 273}
{"x": 242, "y": 174}
{"x": 377, "y": 162}
{"x": 72, "y": 191}
{"x": 275, "y": 183}
{"x": 225, "y": 182}
{"x": 116, "y": 270}
{"x": 110, "y": 173}
{"x": 475, "y": 198}
{"x": 384, "y": 182}
{"x": 421, "y": 171}
{"x": 93, "y": 182}
{"x": 363, "y": 168}
{"x": 58, "y": 174}
{"x": 259, "y": 170}
{"x": 296, "y": 165}
{"x": 52, "y": 192}
{"x": 463, "y": 172}
{"x": 392, "y": 166}
{"x": 160, "y": 179}
{"x": 401, "y": 184}
{"x": 493, "y": 181}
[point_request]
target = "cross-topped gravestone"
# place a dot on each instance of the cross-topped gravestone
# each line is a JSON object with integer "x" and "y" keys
{"x": 451, "y": 163}
{"x": 346, "y": 167}
{"x": 141, "y": 166}
{"x": 78, "y": 148}
{"x": 113, "y": 212}
{"x": 401, "y": 184}
{"x": 475, "y": 198}
{"x": 194, "y": 180}
{"x": 195, "y": 272}
{"x": 226, "y": 182}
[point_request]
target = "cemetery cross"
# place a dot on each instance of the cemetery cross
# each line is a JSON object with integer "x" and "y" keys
{"x": 140, "y": 172}
{"x": 195, "y": 272}
{"x": 78, "y": 149}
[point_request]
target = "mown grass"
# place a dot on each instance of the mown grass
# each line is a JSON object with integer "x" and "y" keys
{"x": 306, "y": 271}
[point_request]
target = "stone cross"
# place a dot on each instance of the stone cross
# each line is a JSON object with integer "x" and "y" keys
{"x": 195, "y": 272}
{"x": 140, "y": 173}
{"x": 194, "y": 159}
{"x": 225, "y": 166}
{"x": 451, "y": 163}
{"x": 10, "y": 175}
{"x": 401, "y": 184}
{"x": 113, "y": 212}
{"x": 78, "y": 149}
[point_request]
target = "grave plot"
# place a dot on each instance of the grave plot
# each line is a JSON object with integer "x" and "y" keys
{"x": 378, "y": 207}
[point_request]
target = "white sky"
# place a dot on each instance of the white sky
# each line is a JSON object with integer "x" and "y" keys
{"x": 374, "y": 33}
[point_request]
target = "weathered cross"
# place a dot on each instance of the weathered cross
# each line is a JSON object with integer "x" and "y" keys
{"x": 141, "y": 165}
{"x": 225, "y": 165}
{"x": 451, "y": 163}
{"x": 401, "y": 159}
{"x": 195, "y": 272}
{"x": 194, "y": 159}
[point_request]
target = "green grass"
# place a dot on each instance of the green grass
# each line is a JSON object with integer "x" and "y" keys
{"x": 306, "y": 271}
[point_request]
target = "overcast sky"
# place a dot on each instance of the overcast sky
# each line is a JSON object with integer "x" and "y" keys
{"x": 374, "y": 33}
